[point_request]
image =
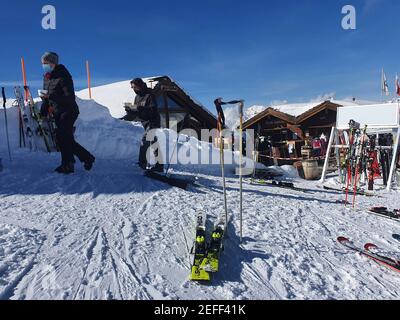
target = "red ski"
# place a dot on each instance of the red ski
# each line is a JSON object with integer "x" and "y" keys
{"x": 385, "y": 261}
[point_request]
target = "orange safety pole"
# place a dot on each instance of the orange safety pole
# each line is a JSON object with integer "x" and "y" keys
{"x": 24, "y": 78}
{"x": 88, "y": 77}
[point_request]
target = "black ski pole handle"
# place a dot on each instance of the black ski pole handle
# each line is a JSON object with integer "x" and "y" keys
{"x": 221, "y": 117}
{"x": 235, "y": 102}
{"x": 218, "y": 104}
{"x": 3, "y": 93}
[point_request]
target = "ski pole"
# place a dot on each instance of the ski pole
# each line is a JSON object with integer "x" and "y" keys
{"x": 220, "y": 124}
{"x": 222, "y": 159}
{"x": 241, "y": 106}
{"x": 6, "y": 121}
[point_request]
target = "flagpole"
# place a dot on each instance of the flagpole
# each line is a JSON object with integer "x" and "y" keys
{"x": 88, "y": 79}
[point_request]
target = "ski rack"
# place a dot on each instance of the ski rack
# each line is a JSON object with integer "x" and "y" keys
{"x": 388, "y": 114}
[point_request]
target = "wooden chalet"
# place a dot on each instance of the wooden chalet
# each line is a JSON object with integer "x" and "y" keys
{"x": 283, "y": 130}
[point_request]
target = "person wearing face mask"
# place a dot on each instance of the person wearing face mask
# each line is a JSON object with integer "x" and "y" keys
{"x": 145, "y": 110}
{"x": 58, "y": 96}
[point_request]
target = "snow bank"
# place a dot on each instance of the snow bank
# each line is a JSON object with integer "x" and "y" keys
{"x": 105, "y": 136}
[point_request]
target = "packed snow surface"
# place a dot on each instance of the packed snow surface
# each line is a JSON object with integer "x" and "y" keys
{"x": 112, "y": 233}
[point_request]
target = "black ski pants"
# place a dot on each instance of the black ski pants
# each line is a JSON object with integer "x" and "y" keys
{"x": 66, "y": 141}
{"x": 145, "y": 145}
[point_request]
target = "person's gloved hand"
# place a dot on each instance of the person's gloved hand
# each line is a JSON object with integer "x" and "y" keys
{"x": 131, "y": 108}
{"x": 130, "y": 116}
{"x": 43, "y": 94}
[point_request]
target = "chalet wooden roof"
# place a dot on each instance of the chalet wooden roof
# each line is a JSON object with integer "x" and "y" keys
{"x": 312, "y": 112}
{"x": 269, "y": 112}
{"x": 176, "y": 93}
{"x": 290, "y": 118}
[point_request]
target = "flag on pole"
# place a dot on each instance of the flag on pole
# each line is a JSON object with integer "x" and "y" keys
{"x": 397, "y": 85}
{"x": 385, "y": 87}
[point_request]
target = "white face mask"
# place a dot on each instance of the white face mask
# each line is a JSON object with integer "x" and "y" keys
{"x": 47, "y": 68}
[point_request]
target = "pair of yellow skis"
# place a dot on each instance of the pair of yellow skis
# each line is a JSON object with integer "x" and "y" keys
{"x": 206, "y": 260}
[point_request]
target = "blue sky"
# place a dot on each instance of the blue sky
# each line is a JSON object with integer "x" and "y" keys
{"x": 261, "y": 51}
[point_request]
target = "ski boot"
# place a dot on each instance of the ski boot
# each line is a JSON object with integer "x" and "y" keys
{"x": 65, "y": 169}
{"x": 89, "y": 163}
{"x": 158, "y": 168}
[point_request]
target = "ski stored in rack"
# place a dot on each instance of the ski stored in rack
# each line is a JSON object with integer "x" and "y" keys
{"x": 25, "y": 123}
{"x": 36, "y": 116}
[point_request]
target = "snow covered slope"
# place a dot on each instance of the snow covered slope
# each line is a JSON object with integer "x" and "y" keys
{"x": 114, "y": 234}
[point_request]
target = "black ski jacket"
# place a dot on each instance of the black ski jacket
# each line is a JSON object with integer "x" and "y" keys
{"x": 60, "y": 87}
{"x": 145, "y": 110}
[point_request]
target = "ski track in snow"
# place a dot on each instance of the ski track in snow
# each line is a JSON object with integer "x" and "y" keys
{"x": 114, "y": 234}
